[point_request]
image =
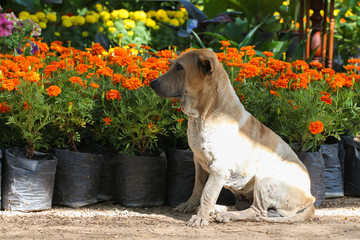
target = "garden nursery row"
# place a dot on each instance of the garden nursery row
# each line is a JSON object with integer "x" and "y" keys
{"x": 61, "y": 103}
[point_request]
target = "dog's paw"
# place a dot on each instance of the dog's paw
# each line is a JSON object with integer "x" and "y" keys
{"x": 197, "y": 221}
{"x": 185, "y": 207}
{"x": 224, "y": 217}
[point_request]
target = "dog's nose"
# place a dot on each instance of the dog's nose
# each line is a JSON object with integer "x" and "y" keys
{"x": 154, "y": 84}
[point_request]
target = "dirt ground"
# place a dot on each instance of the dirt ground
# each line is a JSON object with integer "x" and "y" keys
{"x": 336, "y": 219}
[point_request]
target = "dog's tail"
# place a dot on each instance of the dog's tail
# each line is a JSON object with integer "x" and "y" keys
{"x": 307, "y": 213}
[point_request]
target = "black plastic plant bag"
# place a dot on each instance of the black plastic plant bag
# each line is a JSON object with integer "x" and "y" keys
{"x": 140, "y": 181}
{"x": 77, "y": 178}
{"x": 333, "y": 176}
{"x": 352, "y": 168}
{"x": 181, "y": 179}
{"x": 28, "y": 184}
{"x": 180, "y": 176}
{"x": 314, "y": 163}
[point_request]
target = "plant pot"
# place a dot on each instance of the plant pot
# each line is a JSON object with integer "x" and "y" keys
{"x": 180, "y": 176}
{"x": 181, "y": 179}
{"x": 77, "y": 178}
{"x": 28, "y": 184}
{"x": 352, "y": 167}
{"x": 333, "y": 177}
{"x": 140, "y": 181}
{"x": 314, "y": 163}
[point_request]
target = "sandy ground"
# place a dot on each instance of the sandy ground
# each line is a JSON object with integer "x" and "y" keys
{"x": 336, "y": 219}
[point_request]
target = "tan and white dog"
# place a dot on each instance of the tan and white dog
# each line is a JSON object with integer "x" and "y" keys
{"x": 233, "y": 149}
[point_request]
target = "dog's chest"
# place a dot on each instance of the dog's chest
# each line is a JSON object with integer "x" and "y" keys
{"x": 213, "y": 142}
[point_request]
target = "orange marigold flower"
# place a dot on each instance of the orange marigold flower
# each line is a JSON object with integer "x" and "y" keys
{"x": 328, "y": 71}
{"x": 300, "y": 65}
{"x": 107, "y": 120}
{"x": 349, "y": 67}
{"x": 225, "y": 43}
{"x": 82, "y": 68}
{"x": 325, "y": 94}
{"x": 53, "y": 90}
{"x": 145, "y": 47}
{"x": 326, "y": 99}
{"x": 97, "y": 49}
{"x": 316, "y": 64}
{"x": 275, "y": 93}
{"x": 32, "y": 77}
{"x": 150, "y": 125}
{"x": 94, "y": 85}
{"x": 113, "y": 94}
{"x": 316, "y": 127}
{"x": 26, "y": 106}
{"x": 282, "y": 82}
{"x": 247, "y": 71}
{"x": 132, "y": 45}
{"x": 105, "y": 71}
{"x": 180, "y": 120}
{"x": 117, "y": 77}
{"x": 4, "y": 108}
{"x": 76, "y": 80}
{"x": 131, "y": 83}
{"x": 10, "y": 84}
{"x": 268, "y": 54}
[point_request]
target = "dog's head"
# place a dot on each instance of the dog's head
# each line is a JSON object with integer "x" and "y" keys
{"x": 189, "y": 73}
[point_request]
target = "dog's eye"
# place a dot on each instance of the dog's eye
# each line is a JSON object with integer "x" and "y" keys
{"x": 179, "y": 67}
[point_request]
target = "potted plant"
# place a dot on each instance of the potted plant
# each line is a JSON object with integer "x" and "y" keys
{"x": 78, "y": 172}
{"x": 28, "y": 179}
{"x": 134, "y": 119}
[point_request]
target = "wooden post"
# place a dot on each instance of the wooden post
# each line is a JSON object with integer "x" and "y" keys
{"x": 324, "y": 35}
{"x": 331, "y": 35}
{"x": 316, "y": 19}
{"x": 307, "y": 48}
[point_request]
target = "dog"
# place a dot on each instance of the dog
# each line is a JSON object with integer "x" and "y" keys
{"x": 232, "y": 149}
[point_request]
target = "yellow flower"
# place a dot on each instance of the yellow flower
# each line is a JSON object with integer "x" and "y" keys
{"x": 322, "y": 13}
{"x": 112, "y": 29}
{"x": 336, "y": 12}
{"x": 179, "y": 14}
{"x": 98, "y": 7}
{"x": 120, "y": 35}
{"x": 34, "y": 18}
{"x": 170, "y": 13}
{"x": 73, "y": 21}
{"x": 151, "y": 14}
{"x": 161, "y": 15}
{"x": 150, "y": 23}
{"x": 42, "y": 25}
{"x": 100, "y": 29}
{"x": 129, "y": 24}
{"x": 281, "y": 20}
{"x": 24, "y": 15}
{"x": 349, "y": 13}
{"x": 139, "y": 16}
{"x": 174, "y": 22}
{"x": 80, "y": 20}
{"x": 109, "y": 23}
{"x": 123, "y": 13}
{"x": 181, "y": 20}
{"x": 277, "y": 15}
{"x": 51, "y": 17}
{"x": 67, "y": 23}
{"x": 65, "y": 17}
{"x": 105, "y": 16}
{"x": 134, "y": 52}
{"x": 90, "y": 19}
{"x": 40, "y": 15}
{"x": 130, "y": 33}
{"x": 311, "y": 12}
{"x": 57, "y": 34}
{"x": 286, "y": 3}
{"x": 85, "y": 34}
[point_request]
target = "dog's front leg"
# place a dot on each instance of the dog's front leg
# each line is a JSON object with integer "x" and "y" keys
{"x": 193, "y": 202}
{"x": 209, "y": 197}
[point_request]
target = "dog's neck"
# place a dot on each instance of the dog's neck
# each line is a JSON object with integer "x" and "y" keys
{"x": 213, "y": 103}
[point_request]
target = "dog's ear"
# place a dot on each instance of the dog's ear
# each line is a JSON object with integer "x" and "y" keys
{"x": 206, "y": 65}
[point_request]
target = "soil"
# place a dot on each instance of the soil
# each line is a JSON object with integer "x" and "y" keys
{"x": 336, "y": 219}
